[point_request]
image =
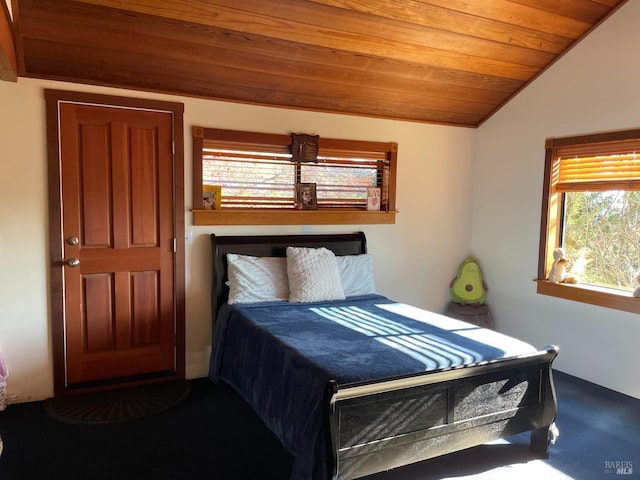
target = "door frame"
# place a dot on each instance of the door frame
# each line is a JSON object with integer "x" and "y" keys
{"x": 53, "y": 98}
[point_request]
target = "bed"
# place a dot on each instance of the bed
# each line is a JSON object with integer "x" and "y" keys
{"x": 362, "y": 384}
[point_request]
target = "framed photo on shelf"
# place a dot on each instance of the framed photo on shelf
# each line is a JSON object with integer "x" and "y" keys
{"x": 373, "y": 198}
{"x": 306, "y": 196}
{"x": 211, "y": 197}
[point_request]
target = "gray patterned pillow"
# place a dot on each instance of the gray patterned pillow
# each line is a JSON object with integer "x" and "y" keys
{"x": 313, "y": 275}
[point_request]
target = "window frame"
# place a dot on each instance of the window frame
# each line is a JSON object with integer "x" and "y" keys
{"x": 265, "y": 216}
{"x": 551, "y": 226}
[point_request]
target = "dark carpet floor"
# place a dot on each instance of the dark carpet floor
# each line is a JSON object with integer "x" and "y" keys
{"x": 215, "y": 435}
{"x": 120, "y": 405}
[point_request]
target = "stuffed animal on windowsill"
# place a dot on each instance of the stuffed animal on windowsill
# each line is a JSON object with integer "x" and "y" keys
{"x": 636, "y": 292}
{"x": 558, "y": 273}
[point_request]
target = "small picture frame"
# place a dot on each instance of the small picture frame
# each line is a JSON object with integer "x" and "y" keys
{"x": 211, "y": 197}
{"x": 306, "y": 196}
{"x": 373, "y": 198}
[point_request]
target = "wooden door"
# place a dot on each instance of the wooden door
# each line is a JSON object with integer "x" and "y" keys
{"x": 118, "y": 252}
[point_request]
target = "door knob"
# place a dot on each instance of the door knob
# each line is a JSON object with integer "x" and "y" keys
{"x": 73, "y": 240}
{"x": 73, "y": 262}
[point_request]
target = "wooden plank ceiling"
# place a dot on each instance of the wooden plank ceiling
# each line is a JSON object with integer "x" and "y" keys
{"x": 452, "y": 62}
{"x": 8, "y": 63}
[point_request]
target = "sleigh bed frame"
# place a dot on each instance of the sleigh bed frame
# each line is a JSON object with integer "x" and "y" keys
{"x": 383, "y": 424}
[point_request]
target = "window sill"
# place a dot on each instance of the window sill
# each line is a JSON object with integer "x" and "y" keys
{"x": 291, "y": 217}
{"x": 603, "y": 297}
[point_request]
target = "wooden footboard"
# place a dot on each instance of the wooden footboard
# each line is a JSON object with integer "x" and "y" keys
{"x": 389, "y": 423}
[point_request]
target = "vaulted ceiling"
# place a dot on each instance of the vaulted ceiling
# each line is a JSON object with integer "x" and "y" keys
{"x": 451, "y": 62}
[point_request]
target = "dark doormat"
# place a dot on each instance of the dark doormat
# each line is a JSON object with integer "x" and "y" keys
{"x": 117, "y": 405}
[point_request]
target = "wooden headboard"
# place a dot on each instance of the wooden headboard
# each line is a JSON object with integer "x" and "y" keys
{"x": 273, "y": 246}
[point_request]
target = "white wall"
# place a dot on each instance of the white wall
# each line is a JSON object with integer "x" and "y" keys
{"x": 415, "y": 259}
{"x": 594, "y": 88}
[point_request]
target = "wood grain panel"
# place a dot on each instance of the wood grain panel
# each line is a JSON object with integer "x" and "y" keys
{"x": 120, "y": 194}
{"x": 263, "y": 17}
{"x": 438, "y": 61}
{"x": 145, "y": 308}
{"x": 365, "y": 36}
{"x": 374, "y": 95}
{"x": 311, "y": 99}
{"x": 242, "y": 52}
{"x": 609, "y": 3}
{"x": 143, "y": 187}
{"x": 588, "y": 12}
{"x": 99, "y": 315}
{"x": 292, "y": 217}
{"x": 120, "y": 260}
{"x": 123, "y": 310}
{"x": 95, "y": 169}
{"x": 511, "y": 13}
{"x": 225, "y": 48}
{"x": 436, "y": 17}
{"x": 8, "y": 61}
{"x": 608, "y": 298}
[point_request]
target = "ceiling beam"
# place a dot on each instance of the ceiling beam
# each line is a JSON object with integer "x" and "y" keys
{"x": 8, "y": 64}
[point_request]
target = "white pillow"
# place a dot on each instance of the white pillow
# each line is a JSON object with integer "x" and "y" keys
{"x": 356, "y": 274}
{"x": 256, "y": 279}
{"x": 313, "y": 275}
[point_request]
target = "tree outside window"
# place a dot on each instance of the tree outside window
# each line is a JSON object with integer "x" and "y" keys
{"x": 591, "y": 208}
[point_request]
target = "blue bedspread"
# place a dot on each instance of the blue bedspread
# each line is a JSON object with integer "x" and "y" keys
{"x": 280, "y": 357}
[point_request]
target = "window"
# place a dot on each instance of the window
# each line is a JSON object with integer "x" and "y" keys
{"x": 591, "y": 208}
{"x": 257, "y": 177}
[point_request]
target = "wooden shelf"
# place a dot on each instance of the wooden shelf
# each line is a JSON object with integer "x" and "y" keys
{"x": 603, "y": 297}
{"x": 291, "y": 217}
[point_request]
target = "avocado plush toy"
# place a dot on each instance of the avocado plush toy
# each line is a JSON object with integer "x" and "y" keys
{"x": 469, "y": 287}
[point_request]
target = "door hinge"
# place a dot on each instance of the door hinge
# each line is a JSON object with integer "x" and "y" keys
{"x": 175, "y": 245}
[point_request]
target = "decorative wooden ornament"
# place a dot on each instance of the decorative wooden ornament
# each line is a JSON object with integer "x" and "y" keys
{"x": 304, "y": 148}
